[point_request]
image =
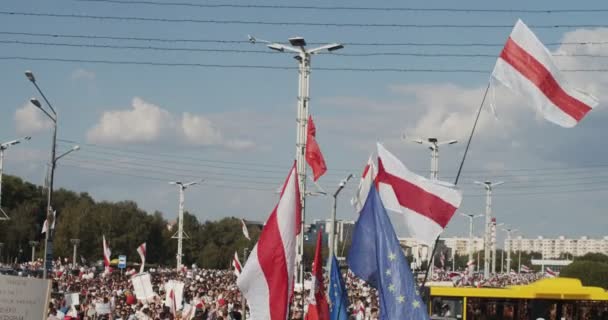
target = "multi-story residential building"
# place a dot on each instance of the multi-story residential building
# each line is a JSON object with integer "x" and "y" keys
{"x": 556, "y": 247}
{"x": 460, "y": 246}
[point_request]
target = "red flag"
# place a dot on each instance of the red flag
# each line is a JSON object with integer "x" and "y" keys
{"x": 314, "y": 157}
{"x": 318, "y": 309}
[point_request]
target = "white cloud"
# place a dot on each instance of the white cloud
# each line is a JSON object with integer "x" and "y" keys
{"x": 30, "y": 120}
{"x": 83, "y": 74}
{"x": 146, "y": 122}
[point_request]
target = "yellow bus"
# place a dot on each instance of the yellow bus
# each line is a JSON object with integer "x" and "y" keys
{"x": 548, "y": 299}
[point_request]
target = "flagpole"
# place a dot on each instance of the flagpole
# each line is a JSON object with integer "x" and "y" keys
{"x": 464, "y": 156}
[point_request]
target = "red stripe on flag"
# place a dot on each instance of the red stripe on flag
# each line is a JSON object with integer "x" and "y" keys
{"x": 271, "y": 256}
{"x": 417, "y": 199}
{"x": 536, "y": 72}
{"x": 365, "y": 170}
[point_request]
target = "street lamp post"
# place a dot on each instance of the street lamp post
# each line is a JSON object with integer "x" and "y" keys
{"x": 493, "y": 236}
{"x": 303, "y": 56}
{"x": 33, "y": 244}
{"x": 509, "y": 231}
{"x": 333, "y": 244}
{"x": 488, "y": 185}
{"x": 75, "y": 243}
{"x": 1, "y": 256}
{"x": 48, "y": 236}
{"x": 470, "y": 246}
{"x": 3, "y": 147}
{"x": 180, "y": 223}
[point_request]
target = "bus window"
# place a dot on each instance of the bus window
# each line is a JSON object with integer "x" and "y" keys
{"x": 446, "y": 308}
{"x": 495, "y": 309}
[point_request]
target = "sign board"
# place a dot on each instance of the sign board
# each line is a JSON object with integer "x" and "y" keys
{"x": 24, "y": 298}
{"x": 142, "y": 287}
{"x": 72, "y": 299}
{"x": 122, "y": 262}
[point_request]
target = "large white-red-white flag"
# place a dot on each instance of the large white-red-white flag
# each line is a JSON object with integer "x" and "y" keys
{"x": 426, "y": 205}
{"x": 236, "y": 264}
{"x": 267, "y": 277}
{"x": 142, "y": 255}
{"x": 526, "y": 67}
{"x": 318, "y": 308}
{"x": 245, "y": 231}
{"x": 106, "y": 255}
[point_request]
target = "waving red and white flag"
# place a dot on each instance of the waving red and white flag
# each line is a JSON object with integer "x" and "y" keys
{"x": 426, "y": 205}
{"x": 314, "y": 157}
{"x": 267, "y": 277}
{"x": 525, "y": 269}
{"x": 550, "y": 273}
{"x": 526, "y": 67}
{"x": 318, "y": 308}
{"x": 236, "y": 264}
{"x": 245, "y": 231}
{"x": 367, "y": 178}
{"x": 106, "y": 255}
{"x": 142, "y": 255}
{"x": 45, "y": 225}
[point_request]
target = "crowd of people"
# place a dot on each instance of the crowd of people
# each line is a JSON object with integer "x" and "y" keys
{"x": 207, "y": 294}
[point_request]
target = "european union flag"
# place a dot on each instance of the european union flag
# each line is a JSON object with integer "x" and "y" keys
{"x": 338, "y": 298}
{"x": 376, "y": 257}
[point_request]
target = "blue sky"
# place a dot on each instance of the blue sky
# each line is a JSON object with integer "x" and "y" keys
{"x": 140, "y": 125}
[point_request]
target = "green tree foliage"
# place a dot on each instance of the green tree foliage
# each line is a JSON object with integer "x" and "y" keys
{"x": 124, "y": 224}
{"x": 590, "y": 272}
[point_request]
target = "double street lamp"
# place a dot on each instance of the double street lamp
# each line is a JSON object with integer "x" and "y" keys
{"x": 52, "y": 115}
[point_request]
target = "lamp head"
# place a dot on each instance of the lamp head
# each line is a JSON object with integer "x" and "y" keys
{"x": 76, "y": 148}
{"x": 335, "y": 46}
{"x": 30, "y": 76}
{"x": 297, "y": 41}
{"x": 276, "y": 47}
{"x": 251, "y": 38}
{"x": 35, "y": 102}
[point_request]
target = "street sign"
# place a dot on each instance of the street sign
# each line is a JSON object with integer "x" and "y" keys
{"x": 122, "y": 262}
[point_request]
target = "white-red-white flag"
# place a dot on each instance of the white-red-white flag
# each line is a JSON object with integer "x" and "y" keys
{"x": 236, "y": 264}
{"x": 426, "y": 205}
{"x": 173, "y": 302}
{"x": 318, "y": 308}
{"x": 106, "y": 255}
{"x": 45, "y": 225}
{"x": 367, "y": 178}
{"x": 245, "y": 231}
{"x": 526, "y": 67}
{"x": 550, "y": 273}
{"x": 267, "y": 277}
{"x": 525, "y": 269}
{"x": 142, "y": 255}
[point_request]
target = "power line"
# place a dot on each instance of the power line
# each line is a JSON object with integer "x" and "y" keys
{"x": 346, "y": 8}
{"x": 293, "y": 23}
{"x": 219, "y": 41}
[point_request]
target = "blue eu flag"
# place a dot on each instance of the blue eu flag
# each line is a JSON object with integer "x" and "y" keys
{"x": 338, "y": 298}
{"x": 376, "y": 257}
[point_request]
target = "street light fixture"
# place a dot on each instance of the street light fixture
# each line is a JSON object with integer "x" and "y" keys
{"x": 304, "y": 55}
{"x": 433, "y": 144}
{"x": 489, "y": 186}
{"x": 180, "y": 223}
{"x": 509, "y": 231}
{"x": 470, "y": 246}
{"x": 48, "y": 236}
{"x": 3, "y": 147}
{"x": 333, "y": 244}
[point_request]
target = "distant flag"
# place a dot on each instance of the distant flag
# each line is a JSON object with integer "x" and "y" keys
{"x": 106, "y": 255}
{"x": 314, "y": 157}
{"x": 338, "y": 297}
{"x": 550, "y": 273}
{"x": 512, "y": 272}
{"x": 426, "y": 205}
{"x": 526, "y": 67}
{"x": 142, "y": 255}
{"x": 318, "y": 309}
{"x": 525, "y": 269}
{"x": 173, "y": 302}
{"x": 245, "y": 231}
{"x": 367, "y": 178}
{"x": 267, "y": 278}
{"x": 236, "y": 264}
{"x": 46, "y": 223}
{"x": 376, "y": 257}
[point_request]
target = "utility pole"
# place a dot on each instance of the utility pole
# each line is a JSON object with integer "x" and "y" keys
{"x": 3, "y": 147}
{"x": 33, "y": 244}
{"x": 75, "y": 243}
{"x": 519, "y": 258}
{"x": 303, "y": 56}
{"x": 509, "y": 231}
{"x": 243, "y": 300}
{"x": 333, "y": 244}
{"x": 470, "y": 244}
{"x": 1, "y": 256}
{"x": 180, "y": 218}
{"x": 489, "y": 186}
{"x": 494, "y": 225}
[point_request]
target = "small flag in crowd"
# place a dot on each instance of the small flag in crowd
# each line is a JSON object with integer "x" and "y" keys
{"x": 45, "y": 225}
{"x": 525, "y": 269}
{"x": 526, "y": 67}
{"x": 550, "y": 273}
{"x": 426, "y": 205}
{"x": 142, "y": 255}
{"x": 338, "y": 297}
{"x": 245, "y": 231}
{"x": 106, "y": 255}
{"x": 314, "y": 157}
{"x": 318, "y": 308}
{"x": 376, "y": 257}
{"x": 267, "y": 278}
{"x": 236, "y": 264}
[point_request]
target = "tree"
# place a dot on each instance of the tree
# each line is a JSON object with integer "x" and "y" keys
{"x": 591, "y": 273}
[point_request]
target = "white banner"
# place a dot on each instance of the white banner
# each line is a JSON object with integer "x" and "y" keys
{"x": 23, "y": 298}
{"x": 72, "y": 299}
{"x": 142, "y": 287}
{"x": 178, "y": 289}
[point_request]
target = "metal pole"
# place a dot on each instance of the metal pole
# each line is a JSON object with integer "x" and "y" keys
{"x": 493, "y": 235}
{"x": 502, "y": 258}
{"x": 1, "y": 173}
{"x": 333, "y": 244}
{"x": 180, "y": 227}
{"x": 508, "y": 250}
{"x": 486, "y": 258}
{"x": 470, "y": 237}
{"x": 48, "y": 235}
{"x": 478, "y": 260}
{"x": 75, "y": 242}
{"x": 33, "y": 244}
{"x": 519, "y": 259}
{"x": 243, "y": 300}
